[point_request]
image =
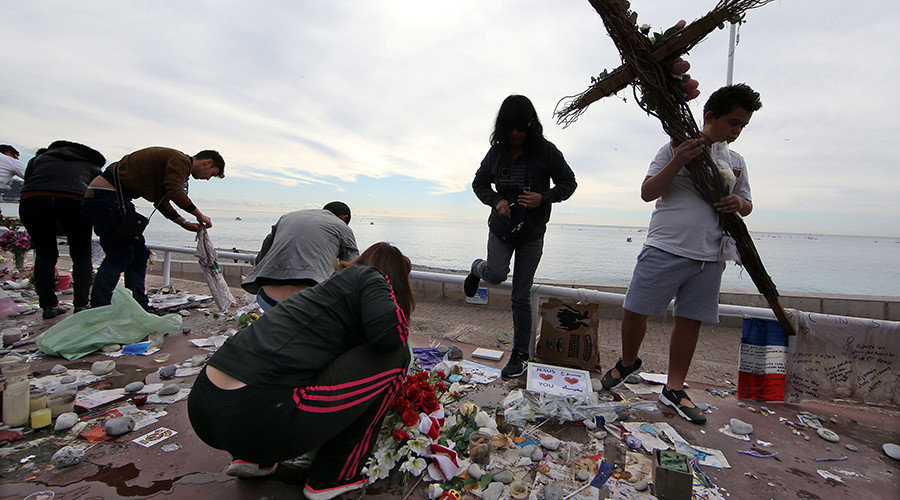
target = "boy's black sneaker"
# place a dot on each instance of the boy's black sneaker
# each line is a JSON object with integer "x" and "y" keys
{"x": 672, "y": 398}
{"x": 516, "y": 366}
{"x": 316, "y": 490}
{"x": 609, "y": 382}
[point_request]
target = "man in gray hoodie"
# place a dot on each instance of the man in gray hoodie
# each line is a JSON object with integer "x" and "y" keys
{"x": 300, "y": 252}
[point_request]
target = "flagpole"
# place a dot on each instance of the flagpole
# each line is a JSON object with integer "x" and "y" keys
{"x": 729, "y": 77}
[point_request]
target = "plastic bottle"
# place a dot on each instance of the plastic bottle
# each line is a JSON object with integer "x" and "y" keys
{"x": 15, "y": 403}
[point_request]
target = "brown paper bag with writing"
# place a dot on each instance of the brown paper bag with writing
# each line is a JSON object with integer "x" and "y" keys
{"x": 569, "y": 334}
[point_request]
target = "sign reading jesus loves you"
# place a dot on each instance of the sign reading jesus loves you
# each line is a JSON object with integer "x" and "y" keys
{"x": 558, "y": 380}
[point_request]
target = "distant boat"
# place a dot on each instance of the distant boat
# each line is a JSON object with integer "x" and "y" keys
{"x": 371, "y": 223}
{"x": 237, "y": 218}
{"x": 628, "y": 239}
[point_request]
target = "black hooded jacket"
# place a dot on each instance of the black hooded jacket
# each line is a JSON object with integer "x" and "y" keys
{"x": 65, "y": 167}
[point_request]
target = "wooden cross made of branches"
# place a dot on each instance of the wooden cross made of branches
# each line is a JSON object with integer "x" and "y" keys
{"x": 644, "y": 67}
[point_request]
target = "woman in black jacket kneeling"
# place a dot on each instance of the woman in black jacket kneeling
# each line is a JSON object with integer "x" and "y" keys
{"x": 317, "y": 371}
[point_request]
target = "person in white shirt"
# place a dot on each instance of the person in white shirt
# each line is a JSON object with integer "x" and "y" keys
{"x": 10, "y": 164}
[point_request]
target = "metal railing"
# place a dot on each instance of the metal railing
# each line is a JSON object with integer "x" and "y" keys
{"x": 537, "y": 291}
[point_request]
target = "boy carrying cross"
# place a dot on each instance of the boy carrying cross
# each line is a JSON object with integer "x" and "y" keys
{"x": 685, "y": 250}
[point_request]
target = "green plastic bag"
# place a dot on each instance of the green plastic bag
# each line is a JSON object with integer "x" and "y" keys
{"x": 124, "y": 322}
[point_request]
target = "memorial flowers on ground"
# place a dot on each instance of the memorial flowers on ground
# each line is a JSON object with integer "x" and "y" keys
{"x": 412, "y": 438}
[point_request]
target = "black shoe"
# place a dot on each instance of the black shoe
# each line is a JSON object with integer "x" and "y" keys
{"x": 470, "y": 286}
{"x": 52, "y": 312}
{"x": 672, "y": 398}
{"x": 516, "y": 366}
{"x": 609, "y": 382}
{"x": 78, "y": 309}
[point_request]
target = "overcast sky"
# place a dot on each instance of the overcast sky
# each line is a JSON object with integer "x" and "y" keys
{"x": 388, "y": 105}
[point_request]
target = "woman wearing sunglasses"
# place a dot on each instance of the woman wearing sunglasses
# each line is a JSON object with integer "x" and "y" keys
{"x": 520, "y": 164}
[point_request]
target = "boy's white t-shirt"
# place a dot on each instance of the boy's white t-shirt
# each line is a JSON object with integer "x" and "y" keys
{"x": 683, "y": 223}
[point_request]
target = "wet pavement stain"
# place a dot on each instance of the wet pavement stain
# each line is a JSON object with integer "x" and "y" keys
{"x": 117, "y": 477}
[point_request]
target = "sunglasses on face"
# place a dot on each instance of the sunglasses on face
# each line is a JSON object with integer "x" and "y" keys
{"x": 522, "y": 126}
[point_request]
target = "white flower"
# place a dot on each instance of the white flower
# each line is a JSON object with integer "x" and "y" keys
{"x": 386, "y": 457}
{"x": 450, "y": 422}
{"x": 414, "y": 465}
{"x": 418, "y": 444}
{"x": 375, "y": 472}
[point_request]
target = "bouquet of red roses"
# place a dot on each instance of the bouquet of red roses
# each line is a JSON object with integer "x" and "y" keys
{"x": 411, "y": 431}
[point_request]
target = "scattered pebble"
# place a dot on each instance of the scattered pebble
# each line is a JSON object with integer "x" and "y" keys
{"x": 68, "y": 379}
{"x": 118, "y": 426}
{"x": 134, "y": 387}
{"x": 833, "y": 420}
{"x": 827, "y": 435}
{"x": 632, "y": 379}
{"x": 741, "y": 405}
{"x": 854, "y": 420}
{"x": 553, "y": 491}
{"x": 493, "y": 491}
{"x": 641, "y": 485}
{"x": 892, "y": 450}
{"x": 67, "y": 456}
{"x": 600, "y": 435}
{"x": 442, "y": 349}
{"x": 851, "y": 447}
{"x": 100, "y": 368}
{"x": 184, "y": 312}
{"x": 110, "y": 348}
{"x": 740, "y": 427}
{"x": 476, "y": 471}
{"x": 550, "y": 443}
{"x": 58, "y": 369}
{"x": 198, "y": 360}
{"x": 596, "y": 385}
{"x": 169, "y": 390}
{"x": 582, "y": 475}
{"x": 65, "y": 421}
{"x": 505, "y": 476}
{"x": 526, "y": 451}
{"x": 167, "y": 371}
{"x": 186, "y": 330}
{"x": 454, "y": 352}
{"x": 537, "y": 454}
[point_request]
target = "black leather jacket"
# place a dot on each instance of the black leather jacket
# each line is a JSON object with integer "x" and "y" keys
{"x": 532, "y": 169}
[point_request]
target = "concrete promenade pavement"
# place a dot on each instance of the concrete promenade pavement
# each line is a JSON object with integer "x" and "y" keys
{"x": 119, "y": 468}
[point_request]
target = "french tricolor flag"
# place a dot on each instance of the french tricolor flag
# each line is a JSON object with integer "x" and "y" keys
{"x": 764, "y": 354}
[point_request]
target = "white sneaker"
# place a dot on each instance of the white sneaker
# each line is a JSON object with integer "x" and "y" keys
{"x": 240, "y": 468}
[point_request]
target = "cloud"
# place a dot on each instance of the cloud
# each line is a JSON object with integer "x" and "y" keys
{"x": 393, "y": 101}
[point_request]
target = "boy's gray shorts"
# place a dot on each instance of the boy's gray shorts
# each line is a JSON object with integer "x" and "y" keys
{"x": 660, "y": 275}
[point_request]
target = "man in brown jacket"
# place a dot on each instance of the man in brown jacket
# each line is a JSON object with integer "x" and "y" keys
{"x": 158, "y": 175}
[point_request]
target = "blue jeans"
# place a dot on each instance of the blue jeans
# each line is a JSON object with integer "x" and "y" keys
{"x": 495, "y": 269}
{"x": 121, "y": 256}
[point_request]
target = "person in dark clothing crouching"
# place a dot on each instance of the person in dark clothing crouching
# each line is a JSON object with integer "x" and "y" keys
{"x": 319, "y": 370}
{"x": 55, "y": 182}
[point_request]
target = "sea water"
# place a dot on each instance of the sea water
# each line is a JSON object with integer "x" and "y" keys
{"x": 812, "y": 263}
